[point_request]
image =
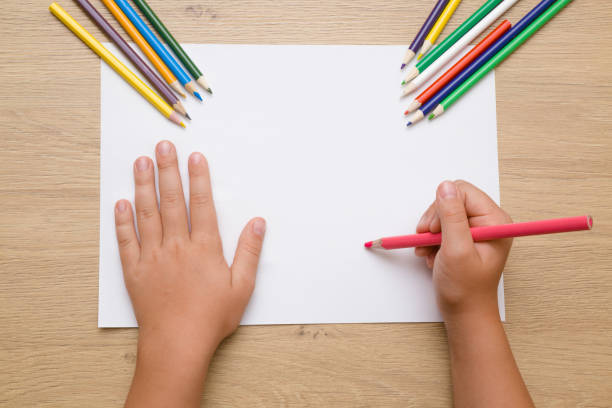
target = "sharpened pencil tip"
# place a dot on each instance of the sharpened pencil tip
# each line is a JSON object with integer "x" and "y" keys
{"x": 419, "y": 57}
{"x": 209, "y": 90}
{"x": 409, "y": 123}
{"x": 187, "y": 116}
{"x": 431, "y": 116}
{"x": 406, "y": 113}
{"x": 368, "y": 244}
{"x": 403, "y": 83}
{"x": 403, "y": 66}
{"x": 183, "y": 125}
{"x": 197, "y": 95}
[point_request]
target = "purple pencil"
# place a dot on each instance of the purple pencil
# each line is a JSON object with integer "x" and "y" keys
{"x": 425, "y": 29}
{"x": 142, "y": 66}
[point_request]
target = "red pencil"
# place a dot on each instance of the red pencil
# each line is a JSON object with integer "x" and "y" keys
{"x": 584, "y": 222}
{"x": 457, "y": 68}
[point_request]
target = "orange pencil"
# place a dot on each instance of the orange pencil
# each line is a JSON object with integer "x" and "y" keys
{"x": 144, "y": 46}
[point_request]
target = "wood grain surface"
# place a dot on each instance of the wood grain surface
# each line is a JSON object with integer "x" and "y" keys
{"x": 554, "y": 101}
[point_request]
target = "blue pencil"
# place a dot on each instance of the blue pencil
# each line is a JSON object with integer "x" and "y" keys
{"x": 159, "y": 48}
{"x": 431, "y": 104}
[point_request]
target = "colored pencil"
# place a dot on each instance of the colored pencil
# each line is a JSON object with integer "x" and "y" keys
{"x": 172, "y": 43}
{"x": 436, "y": 30}
{"x": 489, "y": 233}
{"x": 129, "y": 28}
{"x": 463, "y": 42}
{"x": 452, "y": 38}
{"x": 459, "y": 66}
{"x": 159, "y": 48}
{"x": 499, "y": 57}
{"x": 425, "y": 29}
{"x": 523, "y": 23}
{"x": 142, "y": 66}
{"x": 114, "y": 63}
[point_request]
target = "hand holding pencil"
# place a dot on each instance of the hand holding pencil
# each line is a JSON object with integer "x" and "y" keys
{"x": 465, "y": 274}
{"x": 465, "y": 238}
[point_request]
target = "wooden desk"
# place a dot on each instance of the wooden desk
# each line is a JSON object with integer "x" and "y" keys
{"x": 554, "y": 105}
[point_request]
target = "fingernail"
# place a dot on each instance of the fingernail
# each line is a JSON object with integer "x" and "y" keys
{"x": 163, "y": 148}
{"x": 121, "y": 206}
{"x": 195, "y": 158}
{"x": 448, "y": 190}
{"x": 142, "y": 164}
{"x": 259, "y": 227}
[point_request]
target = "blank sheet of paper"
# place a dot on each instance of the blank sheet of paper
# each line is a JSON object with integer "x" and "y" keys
{"x": 313, "y": 139}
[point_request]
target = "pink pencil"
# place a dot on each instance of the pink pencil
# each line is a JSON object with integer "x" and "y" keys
{"x": 521, "y": 229}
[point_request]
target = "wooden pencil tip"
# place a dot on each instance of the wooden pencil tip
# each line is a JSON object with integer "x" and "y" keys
{"x": 187, "y": 116}
{"x": 403, "y": 66}
{"x": 368, "y": 244}
{"x": 183, "y": 125}
{"x": 209, "y": 90}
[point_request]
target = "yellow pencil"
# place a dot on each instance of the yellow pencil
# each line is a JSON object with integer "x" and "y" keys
{"x": 438, "y": 27}
{"x": 133, "y": 32}
{"x": 117, "y": 65}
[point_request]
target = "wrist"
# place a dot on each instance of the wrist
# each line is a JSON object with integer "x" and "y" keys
{"x": 167, "y": 348}
{"x": 169, "y": 370}
{"x": 474, "y": 310}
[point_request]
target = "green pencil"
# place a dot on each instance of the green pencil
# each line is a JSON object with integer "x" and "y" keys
{"x": 172, "y": 43}
{"x": 459, "y": 32}
{"x": 499, "y": 57}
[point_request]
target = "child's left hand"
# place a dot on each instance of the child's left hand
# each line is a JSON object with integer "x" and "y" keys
{"x": 185, "y": 296}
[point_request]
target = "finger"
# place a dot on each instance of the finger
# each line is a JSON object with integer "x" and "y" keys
{"x": 171, "y": 199}
{"x": 456, "y": 237}
{"x": 129, "y": 248}
{"x": 423, "y": 251}
{"x": 434, "y": 225}
{"x": 431, "y": 258}
{"x": 147, "y": 211}
{"x": 246, "y": 259}
{"x": 480, "y": 208}
{"x": 423, "y": 225}
{"x": 204, "y": 226}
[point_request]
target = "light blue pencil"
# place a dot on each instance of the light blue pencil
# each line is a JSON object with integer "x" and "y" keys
{"x": 159, "y": 48}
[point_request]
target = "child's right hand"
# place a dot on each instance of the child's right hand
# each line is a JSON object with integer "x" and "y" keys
{"x": 465, "y": 274}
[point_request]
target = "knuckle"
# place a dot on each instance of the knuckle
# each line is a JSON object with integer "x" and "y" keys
{"x": 146, "y": 213}
{"x": 454, "y": 213}
{"x": 124, "y": 241}
{"x": 200, "y": 199}
{"x": 167, "y": 163}
{"x": 171, "y": 198}
{"x": 250, "y": 248}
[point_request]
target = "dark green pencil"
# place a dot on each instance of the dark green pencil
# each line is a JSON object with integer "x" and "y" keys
{"x": 172, "y": 43}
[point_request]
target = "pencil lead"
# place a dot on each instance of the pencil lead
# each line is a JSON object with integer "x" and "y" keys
{"x": 368, "y": 244}
{"x": 197, "y": 95}
{"x": 403, "y": 66}
{"x": 431, "y": 116}
{"x": 406, "y": 112}
{"x": 409, "y": 123}
{"x": 403, "y": 83}
{"x": 419, "y": 57}
{"x": 187, "y": 116}
{"x": 209, "y": 90}
{"x": 183, "y": 125}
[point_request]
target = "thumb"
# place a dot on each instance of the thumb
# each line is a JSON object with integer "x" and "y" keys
{"x": 246, "y": 258}
{"x": 456, "y": 236}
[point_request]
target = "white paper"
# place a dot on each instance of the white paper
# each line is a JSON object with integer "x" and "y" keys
{"x": 313, "y": 139}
